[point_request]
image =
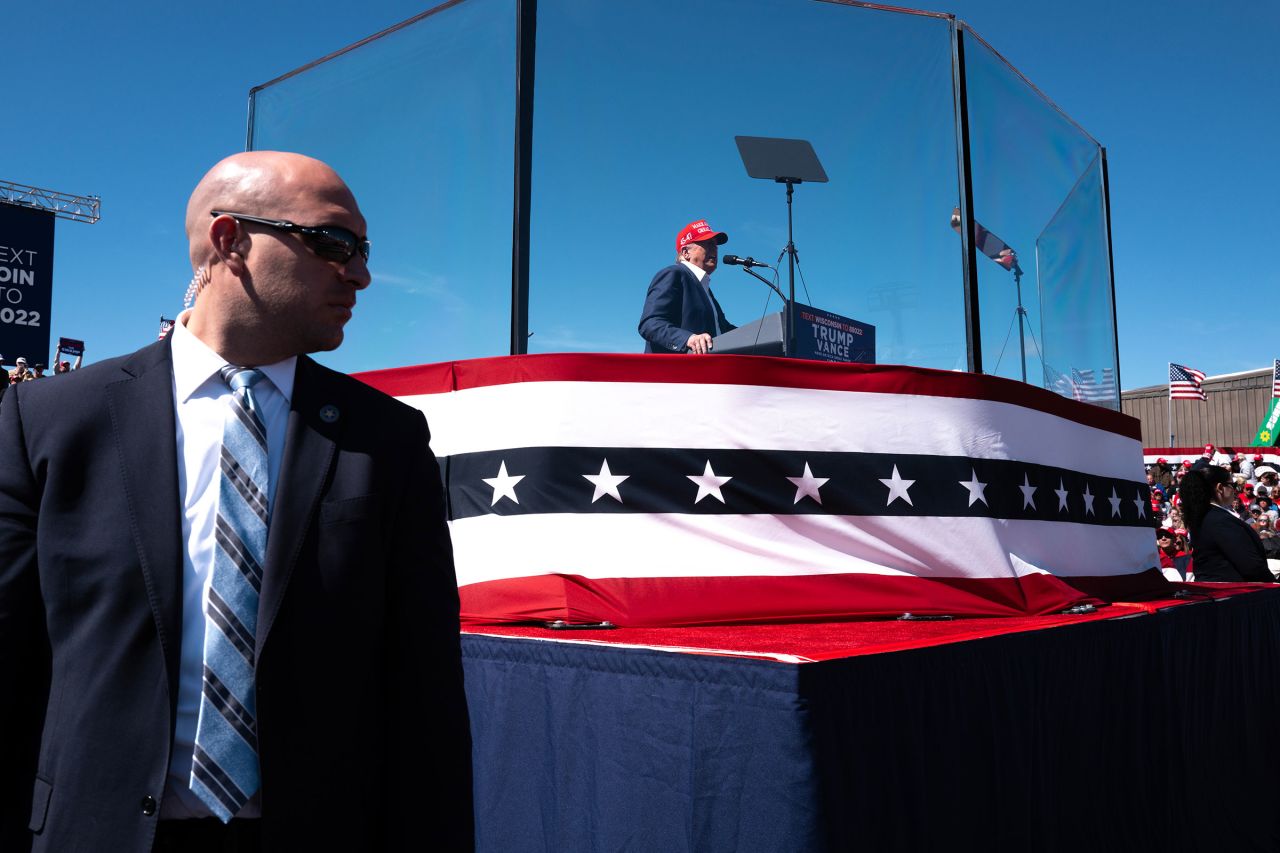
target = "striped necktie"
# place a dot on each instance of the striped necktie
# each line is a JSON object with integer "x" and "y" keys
{"x": 224, "y": 769}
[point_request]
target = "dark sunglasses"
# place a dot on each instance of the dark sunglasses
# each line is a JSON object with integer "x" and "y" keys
{"x": 331, "y": 242}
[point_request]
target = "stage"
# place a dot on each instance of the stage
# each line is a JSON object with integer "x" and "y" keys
{"x": 1142, "y": 726}
{"x": 763, "y": 691}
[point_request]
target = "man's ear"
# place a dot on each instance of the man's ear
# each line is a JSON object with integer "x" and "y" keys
{"x": 229, "y": 243}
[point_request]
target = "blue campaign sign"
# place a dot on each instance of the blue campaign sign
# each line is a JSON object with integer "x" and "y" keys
{"x": 825, "y": 336}
{"x": 26, "y": 282}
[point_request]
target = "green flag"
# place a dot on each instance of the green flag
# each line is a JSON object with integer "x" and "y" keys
{"x": 1266, "y": 436}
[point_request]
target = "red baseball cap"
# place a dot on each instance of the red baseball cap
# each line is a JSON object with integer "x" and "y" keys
{"x": 1257, "y": 457}
{"x": 1162, "y": 461}
{"x": 1186, "y": 463}
{"x": 1208, "y": 450}
{"x": 697, "y": 232}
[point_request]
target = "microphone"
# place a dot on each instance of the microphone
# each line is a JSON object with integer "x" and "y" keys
{"x": 735, "y": 261}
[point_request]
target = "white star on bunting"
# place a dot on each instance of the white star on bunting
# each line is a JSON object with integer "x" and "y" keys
{"x": 1061, "y": 492}
{"x": 708, "y": 483}
{"x": 977, "y": 491}
{"x": 1088, "y": 500}
{"x": 1142, "y": 506}
{"x": 898, "y": 487}
{"x": 504, "y": 485}
{"x": 807, "y": 485}
{"x": 1115, "y": 503}
{"x": 606, "y": 483}
{"x": 1027, "y": 491}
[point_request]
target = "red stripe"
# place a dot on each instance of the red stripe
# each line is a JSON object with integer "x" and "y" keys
{"x": 819, "y": 641}
{"x": 741, "y": 370}
{"x": 723, "y": 600}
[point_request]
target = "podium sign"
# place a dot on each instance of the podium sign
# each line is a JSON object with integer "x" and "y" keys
{"x": 26, "y": 282}
{"x": 824, "y": 336}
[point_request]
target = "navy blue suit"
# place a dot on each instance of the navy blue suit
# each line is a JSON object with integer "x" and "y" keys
{"x": 362, "y": 722}
{"x": 1227, "y": 549}
{"x": 676, "y": 307}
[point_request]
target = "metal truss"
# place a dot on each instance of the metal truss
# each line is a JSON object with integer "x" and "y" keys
{"x": 78, "y": 208}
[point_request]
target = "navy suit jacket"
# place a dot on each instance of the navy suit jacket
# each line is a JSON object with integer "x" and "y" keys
{"x": 677, "y": 307}
{"x": 362, "y": 722}
{"x": 1225, "y": 548}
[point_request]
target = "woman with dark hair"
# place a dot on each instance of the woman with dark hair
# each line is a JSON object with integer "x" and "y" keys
{"x": 1223, "y": 548}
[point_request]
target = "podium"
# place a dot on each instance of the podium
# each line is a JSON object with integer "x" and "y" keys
{"x": 820, "y": 336}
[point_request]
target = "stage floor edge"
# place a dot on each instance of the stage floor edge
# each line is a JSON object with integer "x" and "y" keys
{"x": 1107, "y": 733}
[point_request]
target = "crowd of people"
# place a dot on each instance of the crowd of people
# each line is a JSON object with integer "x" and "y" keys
{"x": 1238, "y": 483}
{"x": 22, "y": 372}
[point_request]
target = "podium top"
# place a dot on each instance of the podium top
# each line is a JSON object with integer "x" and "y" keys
{"x": 780, "y": 159}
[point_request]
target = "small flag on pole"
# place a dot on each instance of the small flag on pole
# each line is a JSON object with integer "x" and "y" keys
{"x": 1185, "y": 383}
{"x": 988, "y": 244}
{"x": 1275, "y": 379}
{"x": 166, "y": 326}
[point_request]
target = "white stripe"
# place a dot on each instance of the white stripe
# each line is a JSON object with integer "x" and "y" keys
{"x": 493, "y": 547}
{"x": 628, "y": 414}
{"x": 781, "y": 657}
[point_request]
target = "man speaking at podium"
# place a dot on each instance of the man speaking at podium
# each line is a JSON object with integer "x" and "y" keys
{"x": 680, "y": 312}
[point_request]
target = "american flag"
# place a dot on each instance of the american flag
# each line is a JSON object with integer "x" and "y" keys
{"x": 1107, "y": 387}
{"x": 1087, "y": 388}
{"x": 989, "y": 244}
{"x": 166, "y": 326}
{"x": 1185, "y": 383}
{"x": 1275, "y": 379}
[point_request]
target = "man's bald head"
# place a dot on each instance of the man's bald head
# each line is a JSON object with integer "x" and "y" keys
{"x": 274, "y": 184}
{"x": 268, "y": 292}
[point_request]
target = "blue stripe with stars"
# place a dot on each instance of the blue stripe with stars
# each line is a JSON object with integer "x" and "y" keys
{"x": 659, "y": 480}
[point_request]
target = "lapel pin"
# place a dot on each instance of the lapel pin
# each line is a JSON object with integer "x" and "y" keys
{"x": 329, "y": 414}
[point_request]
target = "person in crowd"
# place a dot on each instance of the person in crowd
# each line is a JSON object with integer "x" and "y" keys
{"x": 1268, "y": 479}
{"x": 172, "y": 677}
{"x": 681, "y": 313}
{"x": 1224, "y": 548}
{"x": 20, "y": 373}
{"x": 61, "y": 366}
{"x": 37, "y": 371}
{"x": 1163, "y": 474}
{"x": 1243, "y": 466}
{"x": 1164, "y": 545}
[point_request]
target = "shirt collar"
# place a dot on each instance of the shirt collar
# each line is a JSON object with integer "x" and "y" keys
{"x": 195, "y": 364}
{"x": 698, "y": 271}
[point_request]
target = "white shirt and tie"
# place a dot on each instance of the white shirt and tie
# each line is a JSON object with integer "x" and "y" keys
{"x": 705, "y": 278}
{"x": 200, "y": 402}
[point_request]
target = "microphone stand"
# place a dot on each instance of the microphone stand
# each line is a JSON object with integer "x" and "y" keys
{"x": 789, "y": 337}
{"x": 768, "y": 283}
{"x": 1022, "y": 314}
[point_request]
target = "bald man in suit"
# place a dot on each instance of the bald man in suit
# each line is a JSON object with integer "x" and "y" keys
{"x": 341, "y": 724}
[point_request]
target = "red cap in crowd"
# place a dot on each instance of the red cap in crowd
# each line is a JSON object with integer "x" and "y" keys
{"x": 1257, "y": 457}
{"x": 1208, "y": 450}
{"x": 1162, "y": 461}
{"x": 1186, "y": 463}
{"x": 696, "y": 232}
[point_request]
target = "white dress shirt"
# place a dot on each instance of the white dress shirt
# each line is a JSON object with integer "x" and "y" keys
{"x": 200, "y": 406}
{"x": 705, "y": 277}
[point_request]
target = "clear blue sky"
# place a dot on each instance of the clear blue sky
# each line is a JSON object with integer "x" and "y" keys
{"x": 133, "y": 101}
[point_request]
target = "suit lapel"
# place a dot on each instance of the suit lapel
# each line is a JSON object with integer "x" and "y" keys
{"x": 309, "y": 448}
{"x": 141, "y": 407}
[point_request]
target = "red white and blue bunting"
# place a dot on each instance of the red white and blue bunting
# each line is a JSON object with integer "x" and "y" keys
{"x": 651, "y": 490}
